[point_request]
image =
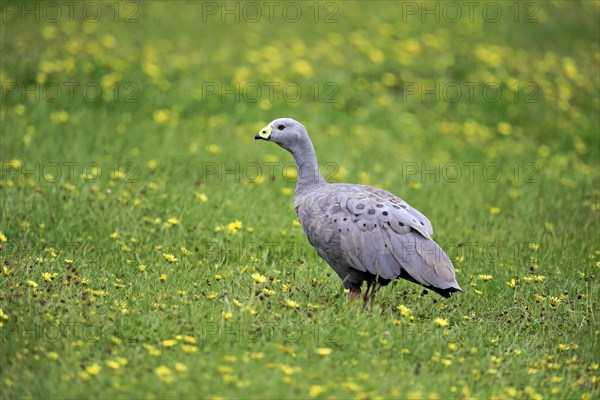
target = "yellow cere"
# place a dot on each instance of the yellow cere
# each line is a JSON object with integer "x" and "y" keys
{"x": 265, "y": 132}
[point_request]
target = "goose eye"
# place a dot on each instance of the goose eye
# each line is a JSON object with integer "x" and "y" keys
{"x": 281, "y": 127}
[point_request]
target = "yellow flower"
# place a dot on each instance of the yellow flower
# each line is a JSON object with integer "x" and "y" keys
{"x": 315, "y": 390}
{"x": 296, "y": 223}
{"x": 189, "y": 348}
{"x": 291, "y": 304}
{"x": 48, "y": 276}
{"x": 152, "y": 164}
{"x": 201, "y": 197}
{"x": 169, "y": 342}
{"x": 3, "y": 315}
{"x": 227, "y": 316}
{"x": 485, "y": 277}
{"x": 173, "y": 221}
{"x": 441, "y": 322}
{"x": 53, "y": 355}
{"x": 153, "y": 351}
{"x": 258, "y": 278}
{"x": 303, "y": 68}
{"x": 504, "y": 128}
{"x": 563, "y": 347}
{"x": 179, "y": 367}
{"x": 404, "y": 311}
{"x": 93, "y": 369}
{"x": 323, "y": 351}
{"x": 142, "y": 268}
{"x": 214, "y": 149}
{"x": 114, "y": 365}
{"x": 32, "y": 284}
{"x": 3, "y": 237}
{"x": 162, "y": 277}
{"x": 555, "y": 301}
{"x": 170, "y": 257}
{"x": 287, "y": 191}
{"x": 233, "y": 227}
{"x": 268, "y": 292}
{"x": 162, "y": 371}
{"x": 190, "y": 339}
{"x": 290, "y": 173}
{"x": 495, "y": 210}
{"x": 59, "y": 116}
{"x": 538, "y": 297}
{"x": 211, "y": 295}
{"x": 14, "y": 164}
{"x": 534, "y": 246}
{"x": 512, "y": 283}
{"x": 161, "y": 116}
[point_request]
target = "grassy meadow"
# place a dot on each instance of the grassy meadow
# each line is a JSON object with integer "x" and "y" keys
{"x": 149, "y": 244}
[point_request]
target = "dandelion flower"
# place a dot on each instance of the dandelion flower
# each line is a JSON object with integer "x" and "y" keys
{"x": 170, "y": 257}
{"x": 258, "y": 278}
{"x": 179, "y": 367}
{"x": 441, "y": 322}
{"x": 201, "y": 197}
{"x": 163, "y": 372}
{"x": 555, "y": 301}
{"x": 93, "y": 369}
{"x": 315, "y": 390}
{"x": 114, "y": 365}
{"x": 189, "y": 348}
{"x": 173, "y": 221}
{"x": 291, "y": 304}
{"x": 169, "y": 342}
{"x": 323, "y": 351}
{"x": 404, "y": 311}
{"x": 234, "y": 226}
{"x": 538, "y": 297}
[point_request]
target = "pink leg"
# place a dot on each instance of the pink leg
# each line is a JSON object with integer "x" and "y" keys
{"x": 354, "y": 293}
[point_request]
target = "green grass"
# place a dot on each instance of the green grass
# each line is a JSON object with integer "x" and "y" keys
{"x": 93, "y": 189}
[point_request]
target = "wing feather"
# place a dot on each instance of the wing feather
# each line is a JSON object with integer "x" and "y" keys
{"x": 371, "y": 230}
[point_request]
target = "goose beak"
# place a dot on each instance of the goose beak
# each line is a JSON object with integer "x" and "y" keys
{"x": 264, "y": 133}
